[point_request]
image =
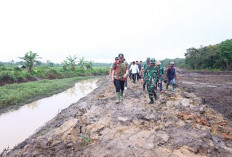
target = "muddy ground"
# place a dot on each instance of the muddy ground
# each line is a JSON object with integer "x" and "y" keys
{"x": 215, "y": 88}
{"x": 178, "y": 124}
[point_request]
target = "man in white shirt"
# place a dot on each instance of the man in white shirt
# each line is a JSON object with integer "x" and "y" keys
{"x": 134, "y": 70}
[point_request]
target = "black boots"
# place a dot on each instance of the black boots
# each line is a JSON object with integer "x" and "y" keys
{"x": 152, "y": 101}
{"x": 155, "y": 96}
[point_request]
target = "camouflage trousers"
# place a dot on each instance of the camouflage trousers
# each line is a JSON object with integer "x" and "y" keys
{"x": 151, "y": 90}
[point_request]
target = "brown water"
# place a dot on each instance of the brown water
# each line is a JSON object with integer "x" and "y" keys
{"x": 17, "y": 125}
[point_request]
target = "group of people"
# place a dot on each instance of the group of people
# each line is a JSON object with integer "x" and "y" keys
{"x": 151, "y": 75}
{"x": 135, "y": 70}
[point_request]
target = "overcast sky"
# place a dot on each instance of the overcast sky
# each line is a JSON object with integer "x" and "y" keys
{"x": 100, "y": 29}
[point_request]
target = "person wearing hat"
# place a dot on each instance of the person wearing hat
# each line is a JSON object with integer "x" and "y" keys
{"x": 171, "y": 76}
{"x": 119, "y": 73}
{"x": 111, "y": 67}
{"x": 160, "y": 74}
{"x": 152, "y": 77}
{"x": 144, "y": 71}
{"x": 140, "y": 64}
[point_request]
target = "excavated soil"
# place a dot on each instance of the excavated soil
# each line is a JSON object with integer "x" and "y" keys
{"x": 215, "y": 88}
{"x": 178, "y": 124}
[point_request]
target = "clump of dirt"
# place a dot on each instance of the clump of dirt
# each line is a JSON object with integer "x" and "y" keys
{"x": 215, "y": 88}
{"x": 178, "y": 124}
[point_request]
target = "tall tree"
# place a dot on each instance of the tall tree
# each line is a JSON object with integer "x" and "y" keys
{"x": 82, "y": 63}
{"x": 30, "y": 58}
{"x": 72, "y": 61}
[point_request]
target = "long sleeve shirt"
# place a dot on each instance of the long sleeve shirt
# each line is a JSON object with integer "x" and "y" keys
{"x": 134, "y": 69}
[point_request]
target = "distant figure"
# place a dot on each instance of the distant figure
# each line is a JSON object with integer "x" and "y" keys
{"x": 144, "y": 72}
{"x": 160, "y": 75}
{"x": 171, "y": 76}
{"x": 126, "y": 75}
{"x": 130, "y": 74}
{"x": 140, "y": 68}
{"x": 137, "y": 76}
{"x": 111, "y": 67}
{"x": 134, "y": 70}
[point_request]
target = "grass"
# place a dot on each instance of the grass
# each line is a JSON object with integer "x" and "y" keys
{"x": 13, "y": 94}
{"x": 85, "y": 139}
{"x": 11, "y": 73}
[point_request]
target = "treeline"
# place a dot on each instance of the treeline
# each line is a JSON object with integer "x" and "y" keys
{"x": 217, "y": 56}
{"x": 179, "y": 62}
{"x": 31, "y": 68}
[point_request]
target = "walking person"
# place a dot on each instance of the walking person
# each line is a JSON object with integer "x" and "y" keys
{"x": 134, "y": 70}
{"x": 160, "y": 75}
{"x": 152, "y": 77}
{"x": 171, "y": 76}
{"x": 140, "y": 68}
{"x": 137, "y": 76}
{"x": 130, "y": 74}
{"x": 144, "y": 71}
{"x": 119, "y": 73}
{"x": 126, "y": 75}
{"x": 111, "y": 67}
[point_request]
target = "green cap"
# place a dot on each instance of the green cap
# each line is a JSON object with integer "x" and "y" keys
{"x": 152, "y": 60}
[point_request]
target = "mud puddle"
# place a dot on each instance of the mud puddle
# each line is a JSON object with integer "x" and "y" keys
{"x": 19, "y": 124}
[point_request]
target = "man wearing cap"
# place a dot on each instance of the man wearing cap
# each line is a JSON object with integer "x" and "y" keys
{"x": 160, "y": 74}
{"x": 119, "y": 73}
{"x": 111, "y": 67}
{"x": 152, "y": 77}
{"x": 144, "y": 71}
{"x": 171, "y": 76}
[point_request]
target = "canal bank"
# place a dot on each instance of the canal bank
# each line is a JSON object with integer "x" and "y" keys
{"x": 17, "y": 125}
{"x": 12, "y": 96}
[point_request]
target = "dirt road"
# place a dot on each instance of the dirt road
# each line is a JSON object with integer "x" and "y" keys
{"x": 215, "y": 89}
{"x": 178, "y": 124}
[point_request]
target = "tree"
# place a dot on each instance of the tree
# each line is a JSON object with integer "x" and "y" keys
{"x": 65, "y": 64}
{"x": 30, "y": 58}
{"x": 217, "y": 56}
{"x": 72, "y": 61}
{"x": 89, "y": 65}
{"x": 82, "y": 63}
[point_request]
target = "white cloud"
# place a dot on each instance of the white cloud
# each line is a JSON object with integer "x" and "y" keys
{"x": 100, "y": 29}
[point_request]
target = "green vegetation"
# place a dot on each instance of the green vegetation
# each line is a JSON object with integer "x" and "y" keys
{"x": 178, "y": 62}
{"x": 85, "y": 139}
{"x": 63, "y": 76}
{"x": 13, "y": 94}
{"x": 210, "y": 57}
{"x": 30, "y": 59}
{"x": 12, "y": 72}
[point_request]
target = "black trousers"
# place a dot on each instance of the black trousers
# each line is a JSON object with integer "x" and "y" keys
{"x": 119, "y": 85}
{"x": 134, "y": 77}
{"x": 138, "y": 77}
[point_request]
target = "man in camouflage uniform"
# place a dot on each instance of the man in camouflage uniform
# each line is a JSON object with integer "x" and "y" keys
{"x": 144, "y": 71}
{"x": 160, "y": 74}
{"x": 151, "y": 79}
